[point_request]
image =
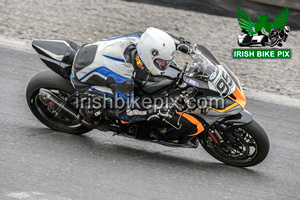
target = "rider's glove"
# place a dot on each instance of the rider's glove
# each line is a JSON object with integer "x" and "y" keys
{"x": 184, "y": 46}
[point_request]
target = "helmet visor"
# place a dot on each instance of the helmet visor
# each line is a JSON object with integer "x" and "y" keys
{"x": 161, "y": 64}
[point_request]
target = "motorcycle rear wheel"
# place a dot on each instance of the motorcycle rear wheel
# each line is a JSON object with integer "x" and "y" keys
{"x": 61, "y": 87}
{"x": 251, "y": 146}
{"x": 274, "y": 41}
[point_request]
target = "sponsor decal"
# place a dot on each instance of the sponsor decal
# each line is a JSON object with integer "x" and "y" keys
{"x": 212, "y": 76}
{"x": 51, "y": 105}
{"x": 192, "y": 82}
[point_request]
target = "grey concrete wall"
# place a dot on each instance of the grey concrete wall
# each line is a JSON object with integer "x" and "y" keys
{"x": 294, "y": 4}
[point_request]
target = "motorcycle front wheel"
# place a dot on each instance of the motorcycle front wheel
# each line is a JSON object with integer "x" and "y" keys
{"x": 249, "y": 146}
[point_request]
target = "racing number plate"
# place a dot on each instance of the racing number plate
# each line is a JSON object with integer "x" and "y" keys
{"x": 223, "y": 83}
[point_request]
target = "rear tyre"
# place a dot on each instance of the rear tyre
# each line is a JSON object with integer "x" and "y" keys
{"x": 250, "y": 147}
{"x": 274, "y": 41}
{"x": 61, "y": 87}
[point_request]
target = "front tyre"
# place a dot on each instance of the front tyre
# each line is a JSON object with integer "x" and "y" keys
{"x": 61, "y": 87}
{"x": 248, "y": 147}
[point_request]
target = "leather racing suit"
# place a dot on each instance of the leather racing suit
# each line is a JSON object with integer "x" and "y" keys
{"x": 109, "y": 67}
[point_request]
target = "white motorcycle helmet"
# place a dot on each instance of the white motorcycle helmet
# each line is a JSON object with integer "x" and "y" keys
{"x": 156, "y": 49}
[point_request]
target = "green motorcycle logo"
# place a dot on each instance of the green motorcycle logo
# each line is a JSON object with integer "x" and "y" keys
{"x": 269, "y": 33}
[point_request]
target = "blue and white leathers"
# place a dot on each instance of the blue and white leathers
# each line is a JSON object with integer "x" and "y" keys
{"x": 103, "y": 67}
{"x": 109, "y": 62}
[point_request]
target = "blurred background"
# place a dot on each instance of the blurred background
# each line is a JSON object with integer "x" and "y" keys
{"x": 227, "y": 8}
{"x": 212, "y": 23}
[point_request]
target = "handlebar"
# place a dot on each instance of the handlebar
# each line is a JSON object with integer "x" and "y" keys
{"x": 180, "y": 76}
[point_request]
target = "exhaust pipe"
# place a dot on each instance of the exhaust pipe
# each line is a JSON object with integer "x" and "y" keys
{"x": 60, "y": 106}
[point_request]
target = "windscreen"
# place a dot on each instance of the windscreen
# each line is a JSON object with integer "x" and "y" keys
{"x": 205, "y": 73}
{"x": 202, "y": 68}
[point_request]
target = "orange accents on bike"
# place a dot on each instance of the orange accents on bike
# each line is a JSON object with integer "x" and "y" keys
{"x": 124, "y": 122}
{"x": 240, "y": 98}
{"x": 194, "y": 121}
{"x": 225, "y": 109}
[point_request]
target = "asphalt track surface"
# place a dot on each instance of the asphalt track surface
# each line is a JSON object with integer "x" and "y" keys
{"x": 38, "y": 163}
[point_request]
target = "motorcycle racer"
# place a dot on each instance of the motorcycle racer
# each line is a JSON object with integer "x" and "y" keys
{"x": 111, "y": 66}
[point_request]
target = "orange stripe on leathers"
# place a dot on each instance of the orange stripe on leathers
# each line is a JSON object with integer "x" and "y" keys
{"x": 194, "y": 121}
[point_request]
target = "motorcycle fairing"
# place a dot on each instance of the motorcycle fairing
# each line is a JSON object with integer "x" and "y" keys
{"x": 205, "y": 73}
{"x": 222, "y": 83}
{"x": 194, "y": 121}
{"x": 243, "y": 117}
{"x": 213, "y": 115}
{"x": 152, "y": 87}
{"x": 150, "y": 84}
{"x": 58, "y": 55}
{"x": 208, "y": 54}
{"x": 238, "y": 97}
{"x": 184, "y": 127}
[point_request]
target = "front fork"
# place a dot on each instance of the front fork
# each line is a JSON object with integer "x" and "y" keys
{"x": 221, "y": 137}
{"x": 216, "y": 137}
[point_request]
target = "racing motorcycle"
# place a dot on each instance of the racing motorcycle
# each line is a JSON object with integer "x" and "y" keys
{"x": 278, "y": 36}
{"x": 221, "y": 125}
